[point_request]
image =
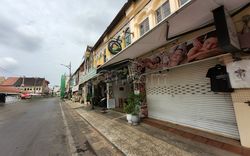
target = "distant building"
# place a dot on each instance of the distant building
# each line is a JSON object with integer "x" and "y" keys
{"x": 33, "y": 85}
{"x": 56, "y": 90}
{"x": 9, "y": 85}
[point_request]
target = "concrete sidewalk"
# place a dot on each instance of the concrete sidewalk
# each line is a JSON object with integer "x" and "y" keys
{"x": 142, "y": 139}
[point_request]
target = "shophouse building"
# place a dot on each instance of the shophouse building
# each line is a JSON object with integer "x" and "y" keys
{"x": 190, "y": 58}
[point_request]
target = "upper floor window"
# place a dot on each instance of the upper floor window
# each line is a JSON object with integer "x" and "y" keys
{"x": 163, "y": 11}
{"x": 127, "y": 37}
{"x": 181, "y": 2}
{"x": 144, "y": 26}
{"x": 104, "y": 55}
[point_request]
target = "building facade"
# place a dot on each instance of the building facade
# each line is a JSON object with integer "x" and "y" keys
{"x": 33, "y": 85}
{"x": 189, "y": 58}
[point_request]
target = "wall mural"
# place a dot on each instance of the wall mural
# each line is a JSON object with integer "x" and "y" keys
{"x": 201, "y": 47}
{"x": 115, "y": 45}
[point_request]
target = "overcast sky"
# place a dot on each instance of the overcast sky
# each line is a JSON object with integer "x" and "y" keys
{"x": 36, "y": 36}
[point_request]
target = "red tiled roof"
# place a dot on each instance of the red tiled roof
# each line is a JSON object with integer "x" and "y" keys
{"x": 9, "y": 90}
{"x": 10, "y": 81}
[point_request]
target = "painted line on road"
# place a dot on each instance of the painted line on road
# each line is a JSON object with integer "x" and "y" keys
{"x": 69, "y": 135}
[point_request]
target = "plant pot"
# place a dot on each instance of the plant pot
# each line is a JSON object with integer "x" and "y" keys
{"x": 135, "y": 119}
{"x": 129, "y": 118}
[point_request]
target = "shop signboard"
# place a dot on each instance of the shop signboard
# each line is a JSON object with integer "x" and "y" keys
{"x": 115, "y": 45}
{"x": 201, "y": 47}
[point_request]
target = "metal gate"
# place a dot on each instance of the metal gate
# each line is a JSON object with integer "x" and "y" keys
{"x": 183, "y": 96}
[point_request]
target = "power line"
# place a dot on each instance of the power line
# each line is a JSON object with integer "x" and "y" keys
{"x": 9, "y": 71}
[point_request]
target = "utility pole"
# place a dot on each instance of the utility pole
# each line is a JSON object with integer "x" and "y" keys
{"x": 69, "y": 67}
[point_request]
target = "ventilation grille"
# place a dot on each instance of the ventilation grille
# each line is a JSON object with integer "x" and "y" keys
{"x": 180, "y": 89}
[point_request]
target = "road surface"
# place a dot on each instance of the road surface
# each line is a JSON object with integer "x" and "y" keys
{"x": 35, "y": 128}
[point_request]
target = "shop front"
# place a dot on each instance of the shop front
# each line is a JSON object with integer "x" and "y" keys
{"x": 86, "y": 86}
{"x": 187, "y": 84}
{"x": 118, "y": 84}
{"x": 75, "y": 93}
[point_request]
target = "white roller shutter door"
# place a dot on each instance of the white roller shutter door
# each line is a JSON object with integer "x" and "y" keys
{"x": 182, "y": 95}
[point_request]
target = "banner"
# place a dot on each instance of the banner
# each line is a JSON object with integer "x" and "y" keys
{"x": 199, "y": 48}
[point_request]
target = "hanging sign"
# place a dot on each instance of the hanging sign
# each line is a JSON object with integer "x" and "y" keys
{"x": 114, "y": 45}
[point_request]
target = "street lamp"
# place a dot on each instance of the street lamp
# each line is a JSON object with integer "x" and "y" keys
{"x": 69, "y": 67}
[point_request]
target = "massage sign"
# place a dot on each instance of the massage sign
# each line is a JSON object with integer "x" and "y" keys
{"x": 114, "y": 45}
{"x": 199, "y": 48}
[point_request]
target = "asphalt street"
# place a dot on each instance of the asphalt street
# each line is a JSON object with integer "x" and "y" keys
{"x": 33, "y": 128}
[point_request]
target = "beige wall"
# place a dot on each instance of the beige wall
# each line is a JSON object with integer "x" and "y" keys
{"x": 137, "y": 12}
{"x": 240, "y": 96}
{"x": 242, "y": 112}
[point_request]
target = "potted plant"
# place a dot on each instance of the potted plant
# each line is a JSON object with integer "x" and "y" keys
{"x": 133, "y": 108}
{"x": 128, "y": 109}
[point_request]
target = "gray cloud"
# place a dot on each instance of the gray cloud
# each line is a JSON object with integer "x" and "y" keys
{"x": 58, "y": 31}
{"x": 15, "y": 39}
{"x": 8, "y": 63}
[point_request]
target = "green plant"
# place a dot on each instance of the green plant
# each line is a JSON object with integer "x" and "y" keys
{"x": 133, "y": 104}
{"x": 128, "y": 109}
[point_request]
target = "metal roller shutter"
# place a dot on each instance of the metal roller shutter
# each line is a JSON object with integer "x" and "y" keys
{"x": 182, "y": 95}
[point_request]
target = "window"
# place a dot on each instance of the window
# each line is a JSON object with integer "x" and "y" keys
{"x": 104, "y": 55}
{"x": 163, "y": 11}
{"x": 144, "y": 26}
{"x": 181, "y": 2}
{"x": 127, "y": 37}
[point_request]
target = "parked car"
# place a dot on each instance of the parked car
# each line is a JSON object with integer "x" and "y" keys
{"x": 25, "y": 96}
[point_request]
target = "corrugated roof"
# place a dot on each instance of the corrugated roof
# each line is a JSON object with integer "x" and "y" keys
{"x": 10, "y": 81}
{"x": 30, "y": 81}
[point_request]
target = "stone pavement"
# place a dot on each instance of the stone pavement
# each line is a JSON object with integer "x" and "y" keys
{"x": 85, "y": 135}
{"x": 142, "y": 139}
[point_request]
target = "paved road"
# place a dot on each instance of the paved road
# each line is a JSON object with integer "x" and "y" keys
{"x": 33, "y": 128}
